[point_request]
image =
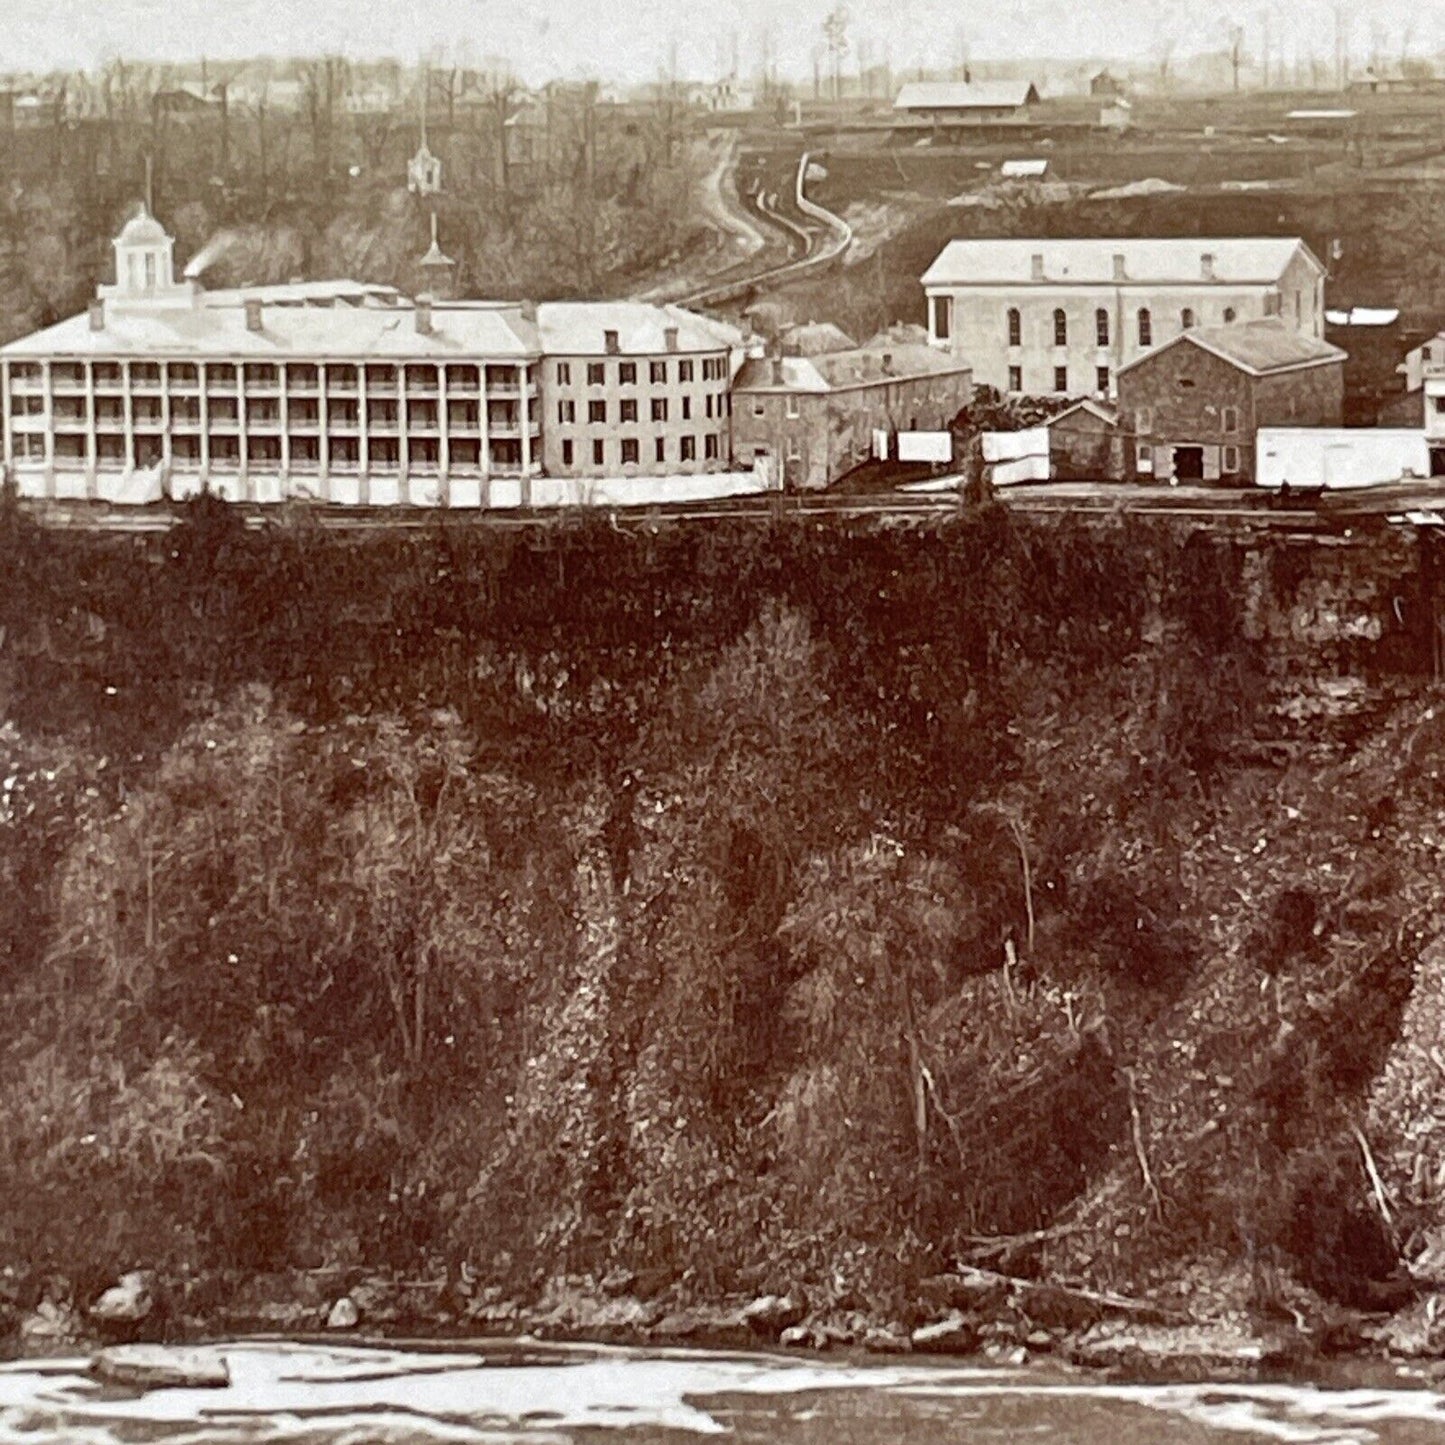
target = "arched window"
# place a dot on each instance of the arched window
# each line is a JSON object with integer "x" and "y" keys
{"x": 1015, "y": 327}
{"x": 1229, "y": 314}
{"x": 1101, "y": 326}
{"x": 1061, "y": 328}
{"x": 1186, "y": 318}
{"x": 1146, "y": 327}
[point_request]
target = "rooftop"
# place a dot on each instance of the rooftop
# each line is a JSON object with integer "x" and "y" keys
{"x": 1091, "y": 261}
{"x": 354, "y": 333}
{"x": 838, "y": 370}
{"x": 965, "y": 95}
{"x": 579, "y": 328}
{"x": 1259, "y": 347}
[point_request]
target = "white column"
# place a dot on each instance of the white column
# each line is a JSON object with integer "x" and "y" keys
{"x": 484, "y": 433}
{"x": 203, "y": 382}
{"x": 363, "y": 438}
{"x": 283, "y": 403}
{"x": 92, "y": 446}
{"x": 444, "y": 448}
{"x": 128, "y": 409}
{"x": 403, "y": 443}
{"x": 242, "y": 431}
{"x": 323, "y": 436}
{"x": 47, "y": 373}
{"x": 6, "y": 445}
{"x": 525, "y": 413}
{"x": 167, "y": 447}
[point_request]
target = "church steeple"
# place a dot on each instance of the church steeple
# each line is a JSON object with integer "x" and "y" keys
{"x": 424, "y": 170}
{"x": 437, "y": 268}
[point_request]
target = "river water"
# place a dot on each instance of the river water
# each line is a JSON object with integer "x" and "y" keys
{"x": 490, "y": 1392}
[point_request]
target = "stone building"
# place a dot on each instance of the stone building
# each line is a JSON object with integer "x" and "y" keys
{"x": 814, "y": 418}
{"x": 1064, "y": 317}
{"x": 1191, "y": 409}
{"x": 633, "y": 389}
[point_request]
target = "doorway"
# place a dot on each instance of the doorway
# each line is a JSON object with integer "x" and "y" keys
{"x": 1189, "y": 464}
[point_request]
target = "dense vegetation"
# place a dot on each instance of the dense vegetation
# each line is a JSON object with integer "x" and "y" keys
{"x": 758, "y": 899}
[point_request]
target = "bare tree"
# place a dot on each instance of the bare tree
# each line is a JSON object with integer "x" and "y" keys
{"x": 835, "y": 37}
{"x": 324, "y": 83}
{"x": 1236, "y": 52}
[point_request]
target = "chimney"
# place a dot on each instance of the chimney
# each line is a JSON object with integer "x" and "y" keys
{"x": 1038, "y": 271}
{"x": 528, "y": 310}
{"x": 423, "y": 315}
{"x": 1120, "y": 272}
{"x": 669, "y": 337}
{"x": 97, "y": 315}
{"x": 253, "y": 313}
{"x": 609, "y": 340}
{"x": 1206, "y": 266}
{"x": 888, "y": 363}
{"x": 777, "y": 371}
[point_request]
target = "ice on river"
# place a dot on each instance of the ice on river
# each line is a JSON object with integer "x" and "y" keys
{"x": 301, "y": 1394}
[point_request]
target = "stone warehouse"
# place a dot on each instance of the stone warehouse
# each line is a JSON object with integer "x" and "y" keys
{"x": 815, "y": 416}
{"x": 1192, "y": 408}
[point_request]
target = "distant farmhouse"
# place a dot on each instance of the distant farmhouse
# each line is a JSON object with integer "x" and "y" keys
{"x": 1107, "y": 86}
{"x": 966, "y": 102}
{"x": 1065, "y": 316}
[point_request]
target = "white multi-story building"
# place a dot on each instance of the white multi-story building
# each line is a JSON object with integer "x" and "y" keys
{"x": 354, "y": 394}
{"x": 1064, "y": 316}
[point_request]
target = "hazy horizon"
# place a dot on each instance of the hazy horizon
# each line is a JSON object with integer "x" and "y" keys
{"x": 634, "y": 41}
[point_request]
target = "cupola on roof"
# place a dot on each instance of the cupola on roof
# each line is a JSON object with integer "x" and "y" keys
{"x": 142, "y": 230}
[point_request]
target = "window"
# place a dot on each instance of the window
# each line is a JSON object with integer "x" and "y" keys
{"x": 659, "y": 408}
{"x": 567, "y": 453}
{"x": 1186, "y": 318}
{"x": 1231, "y": 419}
{"x": 564, "y": 373}
{"x": 1144, "y": 458}
{"x": 566, "y": 412}
{"x": 596, "y": 373}
{"x": 1101, "y": 381}
{"x": 689, "y": 449}
{"x": 1229, "y": 315}
{"x": 707, "y": 406}
{"x": 710, "y": 447}
{"x": 596, "y": 412}
{"x": 684, "y": 371}
{"x": 687, "y": 408}
{"x": 629, "y": 451}
{"x": 659, "y": 373}
{"x": 942, "y": 317}
{"x": 661, "y": 449}
{"x": 629, "y": 409}
{"x": 1144, "y": 420}
{"x": 609, "y": 340}
{"x": 1273, "y": 304}
{"x": 1146, "y": 327}
{"x": 1061, "y": 378}
{"x": 1101, "y": 326}
{"x": 1231, "y": 459}
{"x": 599, "y": 452}
{"x": 1061, "y": 327}
{"x": 1015, "y": 327}
{"x": 627, "y": 373}
{"x": 760, "y": 408}
{"x": 793, "y": 412}
{"x": 1015, "y": 378}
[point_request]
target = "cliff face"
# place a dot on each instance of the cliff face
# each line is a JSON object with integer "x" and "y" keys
{"x": 730, "y": 904}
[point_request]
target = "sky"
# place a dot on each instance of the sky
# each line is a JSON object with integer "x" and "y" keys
{"x": 631, "y": 40}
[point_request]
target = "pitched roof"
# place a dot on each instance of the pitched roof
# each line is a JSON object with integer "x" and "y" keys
{"x": 813, "y": 338}
{"x": 1090, "y": 260}
{"x": 965, "y": 95}
{"x": 579, "y": 328}
{"x": 1107, "y": 414}
{"x": 355, "y": 333}
{"x": 1260, "y": 348}
{"x": 839, "y": 370}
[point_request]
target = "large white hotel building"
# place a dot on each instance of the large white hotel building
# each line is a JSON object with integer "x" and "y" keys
{"x": 348, "y": 393}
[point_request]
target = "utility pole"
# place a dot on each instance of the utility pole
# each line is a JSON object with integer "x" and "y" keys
{"x": 1264, "y": 42}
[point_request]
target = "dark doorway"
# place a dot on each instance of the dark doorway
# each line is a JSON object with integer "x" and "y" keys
{"x": 1189, "y": 464}
{"x": 1437, "y": 461}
